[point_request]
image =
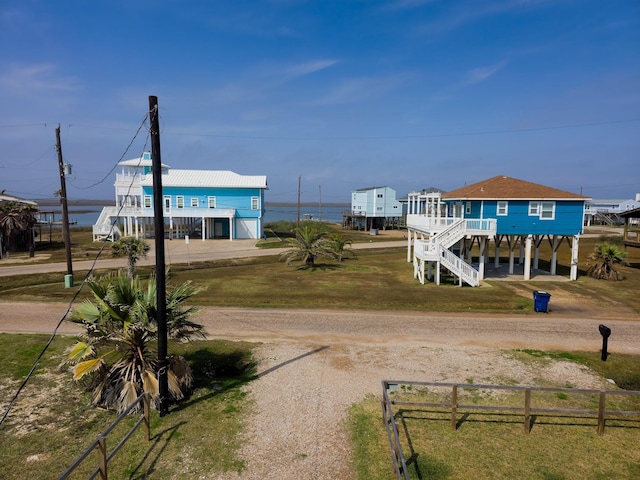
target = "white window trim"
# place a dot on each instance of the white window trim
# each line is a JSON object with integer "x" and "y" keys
{"x": 167, "y": 202}
{"x": 506, "y": 208}
{"x": 255, "y": 204}
{"x": 212, "y": 202}
{"x": 467, "y": 208}
{"x": 553, "y": 210}
{"x": 148, "y": 204}
{"x": 180, "y": 201}
{"x": 534, "y": 209}
{"x": 194, "y": 202}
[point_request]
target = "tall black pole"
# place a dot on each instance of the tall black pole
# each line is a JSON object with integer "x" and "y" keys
{"x": 161, "y": 293}
{"x": 298, "y": 221}
{"x": 66, "y": 236}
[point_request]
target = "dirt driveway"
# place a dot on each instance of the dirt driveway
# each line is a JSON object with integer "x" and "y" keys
{"x": 314, "y": 364}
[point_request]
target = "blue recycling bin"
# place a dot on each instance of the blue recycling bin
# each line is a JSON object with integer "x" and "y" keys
{"x": 541, "y": 301}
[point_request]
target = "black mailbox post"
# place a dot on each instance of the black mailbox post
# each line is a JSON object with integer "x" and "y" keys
{"x": 606, "y": 333}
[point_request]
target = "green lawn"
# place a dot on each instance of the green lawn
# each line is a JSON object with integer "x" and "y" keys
{"x": 379, "y": 279}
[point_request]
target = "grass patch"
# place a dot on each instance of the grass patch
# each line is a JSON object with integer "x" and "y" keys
{"x": 52, "y": 422}
{"x": 623, "y": 369}
{"x": 489, "y": 445}
{"x": 379, "y": 279}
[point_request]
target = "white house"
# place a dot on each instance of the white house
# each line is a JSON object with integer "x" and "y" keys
{"x": 199, "y": 203}
{"x": 607, "y": 211}
{"x": 373, "y": 208}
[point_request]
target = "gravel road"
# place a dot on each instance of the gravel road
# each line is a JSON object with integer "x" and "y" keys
{"x": 314, "y": 364}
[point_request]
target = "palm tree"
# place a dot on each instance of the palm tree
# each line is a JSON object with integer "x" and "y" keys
{"x": 132, "y": 248}
{"x": 16, "y": 217}
{"x": 117, "y": 352}
{"x": 340, "y": 246}
{"x": 605, "y": 256}
{"x": 308, "y": 245}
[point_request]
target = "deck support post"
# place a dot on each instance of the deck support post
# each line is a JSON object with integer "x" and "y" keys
{"x": 527, "y": 259}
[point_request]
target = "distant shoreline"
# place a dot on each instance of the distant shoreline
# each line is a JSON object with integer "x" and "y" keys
{"x": 55, "y": 202}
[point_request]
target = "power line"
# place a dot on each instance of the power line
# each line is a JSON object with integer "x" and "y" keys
{"x": 400, "y": 137}
{"x": 73, "y": 299}
{"x": 362, "y": 137}
{"x": 121, "y": 156}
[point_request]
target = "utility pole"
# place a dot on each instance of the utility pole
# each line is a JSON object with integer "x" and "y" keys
{"x": 66, "y": 236}
{"x": 298, "y": 221}
{"x": 161, "y": 292}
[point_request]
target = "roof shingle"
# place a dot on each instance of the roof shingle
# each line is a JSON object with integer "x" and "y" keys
{"x": 504, "y": 188}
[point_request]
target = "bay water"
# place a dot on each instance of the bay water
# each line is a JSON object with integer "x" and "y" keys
{"x": 87, "y": 215}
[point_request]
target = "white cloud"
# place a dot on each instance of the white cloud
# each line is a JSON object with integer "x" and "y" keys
{"x": 34, "y": 79}
{"x": 307, "y": 68}
{"x": 480, "y": 74}
{"x": 460, "y": 15}
{"x": 358, "y": 89}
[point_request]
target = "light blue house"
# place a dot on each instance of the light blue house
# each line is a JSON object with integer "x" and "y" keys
{"x": 202, "y": 204}
{"x": 373, "y": 208}
{"x": 515, "y": 214}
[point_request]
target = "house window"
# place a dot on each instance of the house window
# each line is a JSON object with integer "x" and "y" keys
{"x": 147, "y": 201}
{"x": 502, "y": 208}
{"x": 534, "y": 209}
{"x": 467, "y": 209}
{"x": 167, "y": 202}
{"x": 379, "y": 195}
{"x": 548, "y": 211}
{"x": 379, "y": 209}
{"x": 180, "y": 202}
{"x": 212, "y": 202}
{"x": 254, "y": 203}
{"x": 194, "y": 202}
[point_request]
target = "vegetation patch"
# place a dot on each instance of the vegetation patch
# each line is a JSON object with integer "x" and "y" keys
{"x": 623, "y": 369}
{"x": 52, "y": 422}
{"x": 493, "y": 444}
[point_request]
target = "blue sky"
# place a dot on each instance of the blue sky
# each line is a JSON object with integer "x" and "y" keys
{"x": 344, "y": 94}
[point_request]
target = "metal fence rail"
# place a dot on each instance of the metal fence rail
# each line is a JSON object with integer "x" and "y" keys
{"x": 526, "y": 409}
{"x": 101, "y": 442}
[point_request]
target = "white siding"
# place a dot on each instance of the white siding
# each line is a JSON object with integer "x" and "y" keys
{"x": 246, "y": 228}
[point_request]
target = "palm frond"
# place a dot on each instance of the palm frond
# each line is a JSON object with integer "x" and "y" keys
{"x": 78, "y": 351}
{"x": 150, "y": 382}
{"x": 88, "y": 366}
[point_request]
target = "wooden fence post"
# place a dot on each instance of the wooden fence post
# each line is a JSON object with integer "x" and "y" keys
{"x": 102, "y": 453}
{"x": 601, "y": 408}
{"x": 527, "y": 410}
{"x": 147, "y": 423}
{"x": 454, "y": 407}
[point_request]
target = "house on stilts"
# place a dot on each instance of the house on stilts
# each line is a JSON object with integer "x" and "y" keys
{"x": 374, "y": 208}
{"x": 210, "y": 204}
{"x": 502, "y": 212}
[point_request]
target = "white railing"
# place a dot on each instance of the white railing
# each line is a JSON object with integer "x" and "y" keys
{"x": 450, "y": 235}
{"x": 436, "y": 248}
{"x": 130, "y": 178}
{"x": 430, "y": 225}
{"x": 425, "y": 250}
{"x": 459, "y": 267}
{"x": 480, "y": 226}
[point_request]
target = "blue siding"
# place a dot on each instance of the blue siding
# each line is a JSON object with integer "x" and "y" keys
{"x": 226, "y": 198}
{"x": 376, "y": 202}
{"x": 568, "y": 219}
